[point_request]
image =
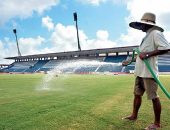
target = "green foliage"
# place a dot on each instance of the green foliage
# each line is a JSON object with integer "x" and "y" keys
{"x": 74, "y": 102}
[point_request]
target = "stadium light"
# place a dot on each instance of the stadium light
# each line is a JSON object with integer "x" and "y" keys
{"x": 15, "y": 32}
{"x": 75, "y": 19}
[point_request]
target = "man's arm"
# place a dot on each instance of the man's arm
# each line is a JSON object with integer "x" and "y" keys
{"x": 145, "y": 55}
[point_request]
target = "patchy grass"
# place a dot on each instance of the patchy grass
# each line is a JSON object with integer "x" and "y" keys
{"x": 74, "y": 102}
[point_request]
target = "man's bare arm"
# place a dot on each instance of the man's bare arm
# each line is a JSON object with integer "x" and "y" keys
{"x": 145, "y": 55}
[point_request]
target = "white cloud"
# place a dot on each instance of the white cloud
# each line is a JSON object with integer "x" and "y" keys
{"x": 27, "y": 46}
{"x": 30, "y": 45}
{"x": 98, "y": 2}
{"x": 1, "y": 45}
{"x": 23, "y": 8}
{"x": 159, "y": 7}
{"x": 133, "y": 37}
{"x": 6, "y": 52}
{"x": 64, "y": 38}
{"x": 167, "y": 35}
{"x": 136, "y": 9}
{"x": 101, "y": 41}
{"x": 47, "y": 22}
{"x": 102, "y": 35}
{"x": 93, "y": 2}
{"x": 2, "y": 50}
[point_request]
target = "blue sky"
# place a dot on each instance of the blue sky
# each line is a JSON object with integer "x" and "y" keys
{"x": 45, "y": 26}
{"x": 108, "y": 16}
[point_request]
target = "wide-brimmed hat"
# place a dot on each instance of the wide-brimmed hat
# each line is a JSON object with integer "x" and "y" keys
{"x": 147, "y": 19}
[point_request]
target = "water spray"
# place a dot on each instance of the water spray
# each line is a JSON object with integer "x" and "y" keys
{"x": 72, "y": 66}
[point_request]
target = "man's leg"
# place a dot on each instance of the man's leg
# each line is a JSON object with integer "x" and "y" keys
{"x": 136, "y": 105}
{"x": 138, "y": 92}
{"x": 157, "y": 110}
{"x": 151, "y": 90}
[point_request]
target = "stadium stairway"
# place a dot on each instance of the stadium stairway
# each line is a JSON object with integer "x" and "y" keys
{"x": 115, "y": 59}
{"x": 113, "y": 64}
{"x": 37, "y": 66}
{"x": 8, "y": 68}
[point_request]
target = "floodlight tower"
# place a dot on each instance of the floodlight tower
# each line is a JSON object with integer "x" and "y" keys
{"x": 15, "y": 32}
{"x": 75, "y": 19}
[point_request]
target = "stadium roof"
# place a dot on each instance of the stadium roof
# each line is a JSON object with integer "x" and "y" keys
{"x": 92, "y": 52}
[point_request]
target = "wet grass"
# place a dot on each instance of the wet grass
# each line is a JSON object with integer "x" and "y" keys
{"x": 74, "y": 102}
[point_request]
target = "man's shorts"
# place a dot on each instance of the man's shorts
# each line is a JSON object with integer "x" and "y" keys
{"x": 146, "y": 84}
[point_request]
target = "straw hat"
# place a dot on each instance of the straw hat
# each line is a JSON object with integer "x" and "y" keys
{"x": 147, "y": 19}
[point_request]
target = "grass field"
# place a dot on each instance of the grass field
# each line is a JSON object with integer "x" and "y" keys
{"x": 74, "y": 102}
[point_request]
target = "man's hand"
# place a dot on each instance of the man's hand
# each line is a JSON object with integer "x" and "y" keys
{"x": 143, "y": 55}
{"x": 126, "y": 62}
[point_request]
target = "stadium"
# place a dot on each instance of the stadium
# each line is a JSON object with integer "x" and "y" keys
{"x": 86, "y": 89}
{"x": 47, "y": 62}
{"x": 50, "y": 91}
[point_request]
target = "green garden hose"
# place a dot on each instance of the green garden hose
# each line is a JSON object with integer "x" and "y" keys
{"x": 152, "y": 72}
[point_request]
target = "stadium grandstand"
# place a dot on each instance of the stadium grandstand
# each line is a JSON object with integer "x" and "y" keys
{"x": 111, "y": 56}
{"x": 3, "y": 66}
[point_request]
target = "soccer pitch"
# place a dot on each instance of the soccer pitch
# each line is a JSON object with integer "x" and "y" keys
{"x": 74, "y": 102}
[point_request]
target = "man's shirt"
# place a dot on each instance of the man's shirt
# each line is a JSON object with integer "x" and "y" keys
{"x": 154, "y": 40}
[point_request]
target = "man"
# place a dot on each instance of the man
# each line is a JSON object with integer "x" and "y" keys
{"x": 153, "y": 44}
